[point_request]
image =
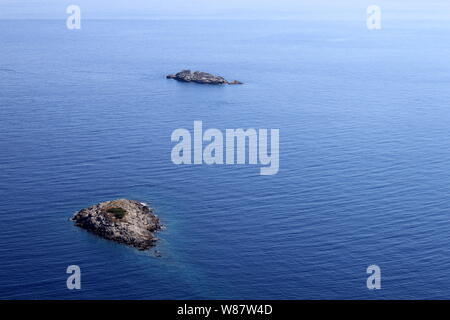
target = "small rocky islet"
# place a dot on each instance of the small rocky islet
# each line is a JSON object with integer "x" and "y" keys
{"x": 126, "y": 221}
{"x": 200, "y": 77}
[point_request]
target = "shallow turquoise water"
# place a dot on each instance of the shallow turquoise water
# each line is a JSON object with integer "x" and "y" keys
{"x": 86, "y": 116}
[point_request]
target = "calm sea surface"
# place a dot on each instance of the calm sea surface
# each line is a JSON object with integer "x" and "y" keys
{"x": 364, "y": 117}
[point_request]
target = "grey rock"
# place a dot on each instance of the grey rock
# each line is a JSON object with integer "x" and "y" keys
{"x": 135, "y": 228}
{"x": 235, "y": 82}
{"x": 200, "y": 77}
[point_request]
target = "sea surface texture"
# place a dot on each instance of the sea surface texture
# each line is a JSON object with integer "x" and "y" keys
{"x": 364, "y": 117}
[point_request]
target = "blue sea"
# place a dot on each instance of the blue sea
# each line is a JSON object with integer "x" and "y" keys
{"x": 86, "y": 116}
